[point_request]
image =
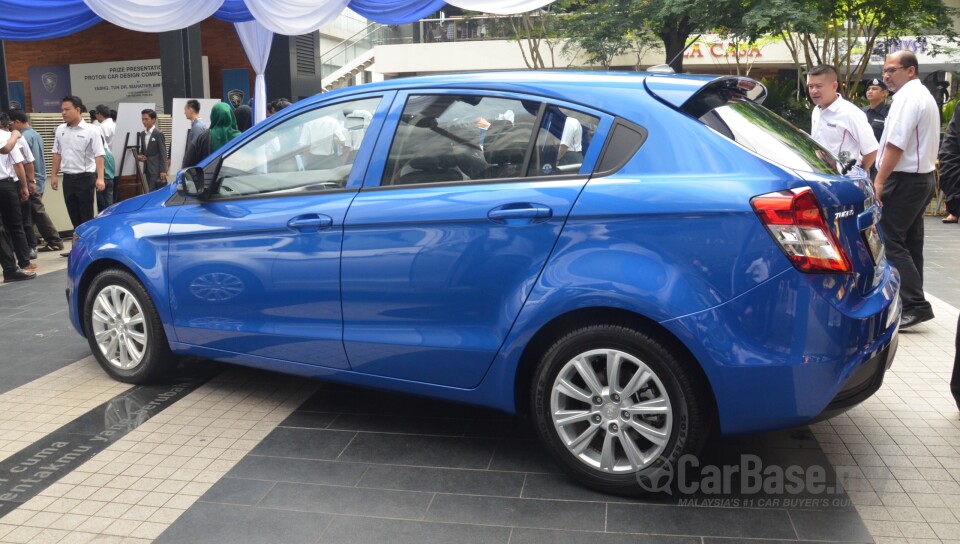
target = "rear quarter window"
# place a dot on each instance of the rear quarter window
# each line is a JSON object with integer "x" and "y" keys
{"x": 768, "y": 135}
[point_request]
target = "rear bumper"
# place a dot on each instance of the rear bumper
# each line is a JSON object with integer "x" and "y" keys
{"x": 795, "y": 349}
{"x": 863, "y": 383}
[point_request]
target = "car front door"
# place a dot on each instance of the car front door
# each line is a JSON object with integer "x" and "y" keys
{"x": 255, "y": 269}
{"x": 453, "y": 226}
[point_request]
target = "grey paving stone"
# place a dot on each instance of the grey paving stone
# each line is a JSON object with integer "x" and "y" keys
{"x": 586, "y": 516}
{"x": 35, "y": 332}
{"x": 363, "y": 530}
{"x": 444, "y": 480}
{"x": 700, "y": 521}
{"x": 715, "y": 540}
{"x": 228, "y": 524}
{"x": 544, "y": 536}
{"x": 309, "y": 420}
{"x": 416, "y": 450}
{"x": 386, "y": 423}
{"x": 304, "y": 443}
{"x": 829, "y": 525}
{"x": 347, "y": 500}
{"x": 522, "y": 456}
{"x": 307, "y": 471}
{"x": 563, "y": 487}
{"x": 237, "y": 491}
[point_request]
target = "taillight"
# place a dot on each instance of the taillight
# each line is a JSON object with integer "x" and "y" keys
{"x": 796, "y": 223}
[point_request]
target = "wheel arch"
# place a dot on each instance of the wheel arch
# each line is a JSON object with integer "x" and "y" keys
{"x": 557, "y": 327}
{"x": 91, "y": 272}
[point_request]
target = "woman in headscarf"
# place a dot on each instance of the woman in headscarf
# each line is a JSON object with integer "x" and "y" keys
{"x": 223, "y": 128}
{"x": 244, "y": 117}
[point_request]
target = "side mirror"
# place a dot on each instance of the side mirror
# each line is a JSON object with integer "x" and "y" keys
{"x": 191, "y": 182}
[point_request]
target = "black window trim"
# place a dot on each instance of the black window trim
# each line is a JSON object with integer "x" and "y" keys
{"x": 618, "y": 121}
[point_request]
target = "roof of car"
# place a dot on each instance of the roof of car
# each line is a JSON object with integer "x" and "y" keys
{"x": 561, "y": 85}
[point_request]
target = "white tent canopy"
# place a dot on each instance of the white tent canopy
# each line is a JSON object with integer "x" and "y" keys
{"x": 255, "y": 20}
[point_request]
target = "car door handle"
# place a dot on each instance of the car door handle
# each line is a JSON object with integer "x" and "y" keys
{"x": 533, "y": 212}
{"x": 310, "y": 221}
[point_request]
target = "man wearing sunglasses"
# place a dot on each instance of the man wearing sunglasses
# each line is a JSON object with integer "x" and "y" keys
{"x": 905, "y": 178}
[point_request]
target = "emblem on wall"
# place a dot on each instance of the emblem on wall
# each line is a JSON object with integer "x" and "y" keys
{"x": 49, "y": 80}
{"x": 236, "y": 97}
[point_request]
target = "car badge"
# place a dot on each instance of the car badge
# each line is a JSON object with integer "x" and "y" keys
{"x": 49, "y": 80}
{"x": 235, "y": 97}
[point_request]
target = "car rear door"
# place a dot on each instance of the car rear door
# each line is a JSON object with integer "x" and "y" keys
{"x": 462, "y": 205}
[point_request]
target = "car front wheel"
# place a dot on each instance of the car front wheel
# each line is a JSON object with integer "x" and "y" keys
{"x": 617, "y": 408}
{"x": 124, "y": 329}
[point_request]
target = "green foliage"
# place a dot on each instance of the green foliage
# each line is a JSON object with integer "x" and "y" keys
{"x": 946, "y": 113}
{"x": 782, "y": 100}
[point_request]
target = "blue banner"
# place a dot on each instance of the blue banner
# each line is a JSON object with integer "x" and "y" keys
{"x": 236, "y": 86}
{"x": 48, "y": 85}
{"x": 17, "y": 96}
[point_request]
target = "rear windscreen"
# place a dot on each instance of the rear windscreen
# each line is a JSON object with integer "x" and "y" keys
{"x": 765, "y": 133}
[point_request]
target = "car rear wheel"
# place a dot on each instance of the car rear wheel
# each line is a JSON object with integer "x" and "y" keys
{"x": 617, "y": 408}
{"x": 124, "y": 330}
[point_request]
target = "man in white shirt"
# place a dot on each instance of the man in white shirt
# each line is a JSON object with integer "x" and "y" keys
{"x": 78, "y": 151}
{"x": 14, "y": 251}
{"x": 107, "y": 126}
{"x": 838, "y": 125}
{"x": 325, "y": 139}
{"x": 571, "y": 142}
{"x": 905, "y": 178}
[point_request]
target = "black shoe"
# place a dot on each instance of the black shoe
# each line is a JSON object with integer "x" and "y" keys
{"x": 909, "y": 320}
{"x": 33, "y": 253}
{"x": 65, "y": 254}
{"x": 18, "y": 275}
{"x": 51, "y": 248}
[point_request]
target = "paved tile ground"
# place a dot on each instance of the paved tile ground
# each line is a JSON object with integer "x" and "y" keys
{"x": 256, "y": 457}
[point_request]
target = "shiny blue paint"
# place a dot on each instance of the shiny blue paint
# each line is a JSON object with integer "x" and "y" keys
{"x": 443, "y": 286}
{"x": 431, "y": 284}
{"x": 261, "y": 276}
{"x": 137, "y": 241}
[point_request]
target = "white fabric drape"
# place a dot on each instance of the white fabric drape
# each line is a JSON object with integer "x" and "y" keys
{"x": 295, "y": 17}
{"x": 154, "y": 15}
{"x": 500, "y": 7}
{"x": 256, "y": 42}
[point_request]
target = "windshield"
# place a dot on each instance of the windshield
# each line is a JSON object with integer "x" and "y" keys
{"x": 768, "y": 135}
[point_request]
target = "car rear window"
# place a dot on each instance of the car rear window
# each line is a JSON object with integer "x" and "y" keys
{"x": 768, "y": 135}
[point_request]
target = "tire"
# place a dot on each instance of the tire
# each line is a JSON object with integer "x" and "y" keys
{"x": 129, "y": 343}
{"x": 625, "y": 444}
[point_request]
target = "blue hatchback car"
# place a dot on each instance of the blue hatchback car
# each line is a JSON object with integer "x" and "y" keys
{"x": 633, "y": 260}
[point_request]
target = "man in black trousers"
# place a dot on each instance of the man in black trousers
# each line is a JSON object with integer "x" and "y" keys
{"x": 78, "y": 151}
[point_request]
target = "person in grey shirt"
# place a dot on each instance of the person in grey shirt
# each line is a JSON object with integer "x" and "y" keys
{"x": 197, "y": 125}
{"x": 37, "y": 211}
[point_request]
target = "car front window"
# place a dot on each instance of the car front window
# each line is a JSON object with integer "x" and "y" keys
{"x": 312, "y": 151}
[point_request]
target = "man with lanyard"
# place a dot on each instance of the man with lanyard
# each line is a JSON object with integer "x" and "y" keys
{"x": 838, "y": 125}
{"x": 905, "y": 180}
{"x": 13, "y": 190}
{"x": 78, "y": 150}
{"x": 38, "y": 213}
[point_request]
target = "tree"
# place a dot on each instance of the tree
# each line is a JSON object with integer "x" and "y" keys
{"x": 606, "y": 29}
{"x": 843, "y": 33}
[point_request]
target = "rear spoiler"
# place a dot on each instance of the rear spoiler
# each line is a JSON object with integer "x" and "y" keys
{"x": 680, "y": 90}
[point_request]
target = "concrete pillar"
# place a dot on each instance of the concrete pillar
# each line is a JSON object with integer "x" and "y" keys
{"x": 182, "y": 65}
